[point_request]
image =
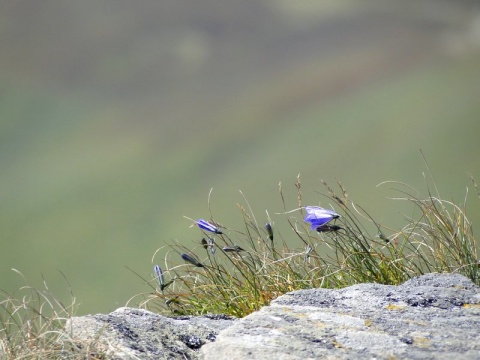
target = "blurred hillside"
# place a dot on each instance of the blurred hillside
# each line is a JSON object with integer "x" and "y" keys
{"x": 117, "y": 118}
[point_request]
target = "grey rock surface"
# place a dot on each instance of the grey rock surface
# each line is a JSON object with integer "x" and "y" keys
{"x": 435, "y": 316}
{"x": 130, "y": 333}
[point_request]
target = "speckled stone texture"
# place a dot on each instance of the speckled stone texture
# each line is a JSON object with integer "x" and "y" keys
{"x": 130, "y": 333}
{"x": 435, "y": 316}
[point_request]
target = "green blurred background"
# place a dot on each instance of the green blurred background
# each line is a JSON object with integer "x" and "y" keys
{"x": 118, "y": 117}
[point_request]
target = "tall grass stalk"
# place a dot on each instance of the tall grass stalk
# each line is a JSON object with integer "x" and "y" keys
{"x": 354, "y": 248}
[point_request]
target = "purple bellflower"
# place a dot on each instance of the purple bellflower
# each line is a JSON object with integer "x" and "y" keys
{"x": 159, "y": 275}
{"x": 235, "y": 248}
{"x": 192, "y": 260}
{"x": 205, "y": 225}
{"x": 318, "y": 216}
{"x": 269, "y": 228}
{"x": 210, "y": 244}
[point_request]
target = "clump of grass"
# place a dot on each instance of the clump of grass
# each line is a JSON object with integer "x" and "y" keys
{"x": 237, "y": 277}
{"x": 440, "y": 238}
{"x": 32, "y": 326}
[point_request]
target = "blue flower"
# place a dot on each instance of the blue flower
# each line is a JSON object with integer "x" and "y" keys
{"x": 318, "y": 216}
{"x": 192, "y": 260}
{"x": 210, "y": 244}
{"x": 269, "y": 228}
{"x": 161, "y": 281}
{"x": 159, "y": 275}
{"x": 235, "y": 248}
{"x": 205, "y": 225}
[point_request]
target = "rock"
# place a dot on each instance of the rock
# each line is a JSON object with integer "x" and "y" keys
{"x": 435, "y": 316}
{"x": 139, "y": 334}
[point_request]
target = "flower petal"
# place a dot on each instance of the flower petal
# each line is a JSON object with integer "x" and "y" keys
{"x": 268, "y": 226}
{"x": 317, "y": 211}
{"x": 319, "y": 222}
{"x": 159, "y": 275}
{"x": 235, "y": 248}
{"x": 318, "y": 216}
{"x": 205, "y": 225}
{"x": 192, "y": 260}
